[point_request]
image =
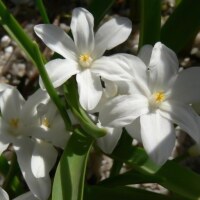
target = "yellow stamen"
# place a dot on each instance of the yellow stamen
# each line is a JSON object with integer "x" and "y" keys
{"x": 14, "y": 122}
{"x": 85, "y": 60}
{"x": 45, "y": 122}
{"x": 159, "y": 97}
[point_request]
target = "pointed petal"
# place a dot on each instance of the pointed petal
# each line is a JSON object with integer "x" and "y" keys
{"x": 56, "y": 39}
{"x": 29, "y": 110}
{"x": 134, "y": 130}
{"x": 110, "y": 140}
{"x": 186, "y": 86}
{"x": 60, "y": 70}
{"x": 184, "y": 116}
{"x": 82, "y": 24}
{"x": 3, "y": 194}
{"x": 43, "y": 159}
{"x": 26, "y": 196}
{"x": 145, "y": 54}
{"x": 3, "y": 146}
{"x": 123, "y": 110}
{"x": 114, "y": 68}
{"x": 158, "y": 137}
{"x": 12, "y": 103}
{"x": 89, "y": 89}
{"x": 40, "y": 187}
{"x": 111, "y": 34}
{"x": 163, "y": 67}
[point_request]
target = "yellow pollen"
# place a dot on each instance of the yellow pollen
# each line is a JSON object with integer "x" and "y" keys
{"x": 14, "y": 122}
{"x": 159, "y": 97}
{"x": 45, "y": 122}
{"x": 85, "y": 60}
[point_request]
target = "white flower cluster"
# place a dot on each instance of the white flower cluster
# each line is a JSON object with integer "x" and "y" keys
{"x": 147, "y": 94}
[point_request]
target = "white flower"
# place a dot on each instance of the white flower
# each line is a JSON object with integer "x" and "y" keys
{"x": 84, "y": 56}
{"x": 160, "y": 96}
{"x": 32, "y": 154}
{"x": 25, "y": 196}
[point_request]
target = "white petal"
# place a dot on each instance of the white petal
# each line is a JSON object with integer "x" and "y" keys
{"x": 3, "y": 194}
{"x": 186, "y": 86}
{"x": 114, "y": 68}
{"x": 43, "y": 159}
{"x": 29, "y": 110}
{"x": 60, "y": 70}
{"x": 3, "y": 146}
{"x": 12, "y": 103}
{"x": 145, "y": 54}
{"x": 163, "y": 67}
{"x": 123, "y": 110}
{"x": 158, "y": 137}
{"x": 89, "y": 89}
{"x": 82, "y": 24}
{"x": 184, "y": 116}
{"x": 40, "y": 187}
{"x": 111, "y": 34}
{"x": 110, "y": 140}
{"x": 134, "y": 130}
{"x": 26, "y": 196}
{"x": 56, "y": 39}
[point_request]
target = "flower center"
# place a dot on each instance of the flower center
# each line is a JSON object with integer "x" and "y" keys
{"x": 159, "y": 97}
{"x": 14, "y": 123}
{"x": 45, "y": 123}
{"x": 85, "y": 60}
{"x": 156, "y": 99}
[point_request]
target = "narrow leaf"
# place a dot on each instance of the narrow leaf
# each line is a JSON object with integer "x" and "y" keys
{"x": 70, "y": 174}
{"x": 150, "y": 22}
{"x": 182, "y": 25}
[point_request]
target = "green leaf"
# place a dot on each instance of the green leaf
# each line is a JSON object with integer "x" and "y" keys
{"x": 182, "y": 25}
{"x": 122, "y": 193}
{"x": 42, "y": 10}
{"x": 70, "y": 174}
{"x": 150, "y": 22}
{"x": 180, "y": 180}
{"x": 14, "y": 29}
{"x": 99, "y": 8}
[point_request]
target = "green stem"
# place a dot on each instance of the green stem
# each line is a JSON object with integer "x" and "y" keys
{"x": 11, "y": 172}
{"x": 42, "y": 10}
{"x": 50, "y": 89}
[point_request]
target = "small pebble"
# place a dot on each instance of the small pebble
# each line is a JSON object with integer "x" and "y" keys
{"x": 8, "y": 49}
{"x": 5, "y": 41}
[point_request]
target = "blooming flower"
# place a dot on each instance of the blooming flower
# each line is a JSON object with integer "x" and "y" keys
{"x": 35, "y": 157}
{"x": 160, "y": 96}
{"x": 84, "y": 56}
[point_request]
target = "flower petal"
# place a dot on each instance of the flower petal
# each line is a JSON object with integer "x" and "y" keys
{"x": 184, "y": 116}
{"x": 163, "y": 67}
{"x": 145, "y": 54}
{"x": 56, "y": 39}
{"x": 111, "y": 34}
{"x": 186, "y": 86}
{"x": 40, "y": 187}
{"x": 123, "y": 110}
{"x": 12, "y": 103}
{"x": 89, "y": 89}
{"x": 3, "y": 194}
{"x": 60, "y": 70}
{"x": 26, "y": 196}
{"x": 158, "y": 136}
{"x": 134, "y": 130}
{"x": 43, "y": 158}
{"x": 82, "y": 24}
{"x": 110, "y": 140}
{"x": 114, "y": 68}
